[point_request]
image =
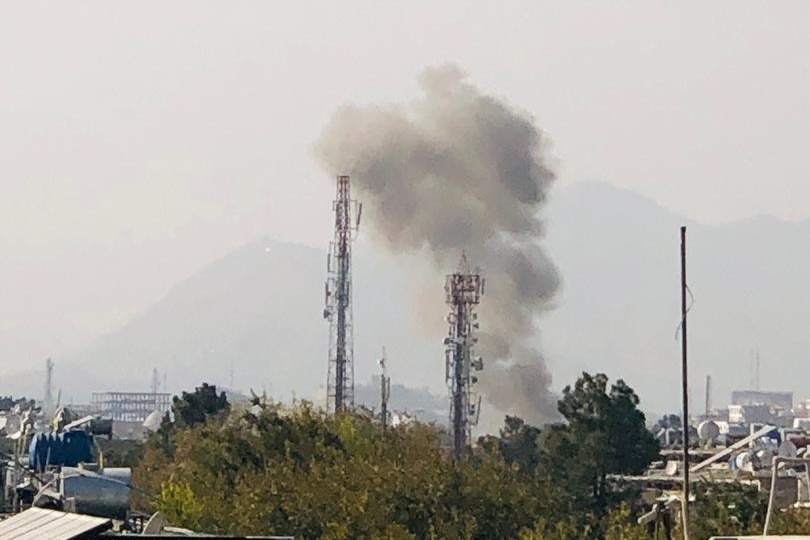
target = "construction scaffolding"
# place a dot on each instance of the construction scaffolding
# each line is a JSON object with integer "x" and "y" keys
{"x": 463, "y": 291}
{"x": 338, "y": 311}
{"x": 129, "y": 406}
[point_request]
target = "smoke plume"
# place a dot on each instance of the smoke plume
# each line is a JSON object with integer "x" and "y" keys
{"x": 455, "y": 171}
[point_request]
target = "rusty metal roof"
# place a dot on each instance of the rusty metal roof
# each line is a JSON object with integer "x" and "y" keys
{"x": 42, "y": 524}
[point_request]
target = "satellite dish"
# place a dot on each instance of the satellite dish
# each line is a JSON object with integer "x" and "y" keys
{"x": 79, "y": 423}
{"x": 156, "y": 524}
{"x": 708, "y": 431}
{"x": 153, "y": 421}
{"x": 671, "y": 468}
{"x": 787, "y": 449}
{"x": 743, "y": 462}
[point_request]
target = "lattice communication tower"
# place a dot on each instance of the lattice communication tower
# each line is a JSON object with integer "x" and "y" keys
{"x": 463, "y": 291}
{"x": 340, "y": 381}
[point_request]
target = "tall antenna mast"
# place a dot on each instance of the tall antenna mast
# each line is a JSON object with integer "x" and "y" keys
{"x": 340, "y": 380}
{"x": 463, "y": 291}
{"x": 385, "y": 389}
{"x": 48, "y": 399}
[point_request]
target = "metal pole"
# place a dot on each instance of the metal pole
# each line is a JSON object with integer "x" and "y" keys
{"x": 774, "y": 475}
{"x": 771, "y": 495}
{"x": 385, "y": 389}
{"x": 684, "y": 389}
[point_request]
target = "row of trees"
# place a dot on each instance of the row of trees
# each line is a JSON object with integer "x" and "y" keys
{"x": 268, "y": 469}
{"x": 274, "y": 470}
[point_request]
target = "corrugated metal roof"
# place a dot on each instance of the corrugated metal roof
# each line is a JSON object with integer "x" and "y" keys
{"x": 41, "y": 524}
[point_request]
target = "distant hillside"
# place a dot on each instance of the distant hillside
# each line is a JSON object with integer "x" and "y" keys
{"x": 243, "y": 312}
{"x": 618, "y": 253}
{"x": 258, "y": 312}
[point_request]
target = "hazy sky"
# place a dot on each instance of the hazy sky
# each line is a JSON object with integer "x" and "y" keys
{"x": 139, "y": 140}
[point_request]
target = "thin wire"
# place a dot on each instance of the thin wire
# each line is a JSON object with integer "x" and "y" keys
{"x": 688, "y": 309}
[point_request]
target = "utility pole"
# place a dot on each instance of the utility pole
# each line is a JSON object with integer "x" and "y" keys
{"x": 684, "y": 387}
{"x": 463, "y": 291}
{"x": 338, "y": 311}
{"x": 385, "y": 389}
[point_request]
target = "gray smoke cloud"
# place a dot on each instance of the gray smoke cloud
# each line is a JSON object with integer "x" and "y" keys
{"x": 458, "y": 170}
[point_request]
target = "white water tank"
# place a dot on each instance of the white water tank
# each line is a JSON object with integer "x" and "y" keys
{"x": 708, "y": 432}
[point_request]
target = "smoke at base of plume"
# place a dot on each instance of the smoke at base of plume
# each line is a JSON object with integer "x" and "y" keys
{"x": 455, "y": 171}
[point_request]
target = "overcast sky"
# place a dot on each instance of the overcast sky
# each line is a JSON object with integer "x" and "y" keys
{"x": 140, "y": 140}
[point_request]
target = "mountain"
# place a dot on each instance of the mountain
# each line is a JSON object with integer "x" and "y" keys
{"x": 255, "y": 315}
{"x": 241, "y": 313}
{"x": 619, "y": 308}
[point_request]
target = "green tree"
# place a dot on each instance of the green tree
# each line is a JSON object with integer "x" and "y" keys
{"x": 726, "y": 509}
{"x": 278, "y": 470}
{"x": 518, "y": 443}
{"x": 194, "y": 408}
{"x": 188, "y": 410}
{"x": 669, "y": 421}
{"x": 604, "y": 434}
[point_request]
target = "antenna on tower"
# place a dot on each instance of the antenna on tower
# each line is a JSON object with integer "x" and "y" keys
{"x": 463, "y": 291}
{"x": 48, "y": 399}
{"x": 338, "y": 311}
{"x": 385, "y": 389}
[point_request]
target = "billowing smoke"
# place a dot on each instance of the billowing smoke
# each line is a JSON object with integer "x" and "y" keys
{"x": 455, "y": 171}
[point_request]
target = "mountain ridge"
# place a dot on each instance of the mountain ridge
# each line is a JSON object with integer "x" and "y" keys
{"x": 256, "y": 311}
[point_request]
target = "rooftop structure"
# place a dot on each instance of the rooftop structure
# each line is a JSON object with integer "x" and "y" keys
{"x": 783, "y": 400}
{"x": 52, "y": 524}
